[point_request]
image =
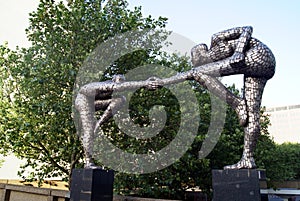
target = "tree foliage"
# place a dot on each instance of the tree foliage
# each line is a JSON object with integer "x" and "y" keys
{"x": 287, "y": 165}
{"x": 36, "y": 98}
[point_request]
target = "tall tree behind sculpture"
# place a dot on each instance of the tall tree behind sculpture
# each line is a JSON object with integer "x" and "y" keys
{"x": 24, "y": 124}
{"x": 37, "y": 124}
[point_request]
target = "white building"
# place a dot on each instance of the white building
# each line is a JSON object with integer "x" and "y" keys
{"x": 285, "y": 123}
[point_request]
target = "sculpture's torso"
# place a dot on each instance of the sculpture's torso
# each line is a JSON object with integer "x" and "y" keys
{"x": 259, "y": 59}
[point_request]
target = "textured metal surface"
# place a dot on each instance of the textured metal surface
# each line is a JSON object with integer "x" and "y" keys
{"x": 256, "y": 62}
{"x": 233, "y": 51}
{"x": 98, "y": 96}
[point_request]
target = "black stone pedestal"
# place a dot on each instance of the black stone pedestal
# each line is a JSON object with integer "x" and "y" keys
{"x": 92, "y": 185}
{"x": 237, "y": 185}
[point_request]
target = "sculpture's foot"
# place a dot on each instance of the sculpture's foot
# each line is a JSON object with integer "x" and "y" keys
{"x": 242, "y": 113}
{"x": 244, "y": 163}
{"x": 91, "y": 165}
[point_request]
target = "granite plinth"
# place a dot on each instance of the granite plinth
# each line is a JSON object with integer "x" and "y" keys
{"x": 237, "y": 185}
{"x": 92, "y": 185}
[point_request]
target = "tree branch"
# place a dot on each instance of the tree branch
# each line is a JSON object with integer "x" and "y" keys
{"x": 53, "y": 162}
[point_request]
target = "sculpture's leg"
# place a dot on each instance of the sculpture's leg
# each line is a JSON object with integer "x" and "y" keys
{"x": 205, "y": 75}
{"x": 221, "y": 68}
{"x": 224, "y": 68}
{"x": 85, "y": 107}
{"x": 114, "y": 105}
{"x": 253, "y": 94}
{"x": 219, "y": 90}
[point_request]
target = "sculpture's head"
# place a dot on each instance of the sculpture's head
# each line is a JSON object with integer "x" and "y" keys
{"x": 118, "y": 78}
{"x": 200, "y": 55}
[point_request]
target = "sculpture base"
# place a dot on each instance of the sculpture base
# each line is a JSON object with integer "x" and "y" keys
{"x": 237, "y": 185}
{"x": 92, "y": 185}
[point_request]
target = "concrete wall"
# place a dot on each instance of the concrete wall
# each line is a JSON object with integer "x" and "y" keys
{"x": 9, "y": 192}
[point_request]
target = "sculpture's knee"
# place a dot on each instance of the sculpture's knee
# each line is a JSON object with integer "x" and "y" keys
{"x": 121, "y": 100}
{"x": 199, "y": 55}
{"x": 116, "y": 103}
{"x": 80, "y": 101}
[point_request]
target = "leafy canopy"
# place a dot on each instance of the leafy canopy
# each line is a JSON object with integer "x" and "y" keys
{"x": 36, "y": 89}
{"x": 37, "y": 82}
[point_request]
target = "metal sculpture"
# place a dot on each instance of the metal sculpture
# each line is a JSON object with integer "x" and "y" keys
{"x": 233, "y": 51}
{"x": 97, "y": 96}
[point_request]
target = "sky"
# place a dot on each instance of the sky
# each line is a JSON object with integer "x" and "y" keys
{"x": 275, "y": 23}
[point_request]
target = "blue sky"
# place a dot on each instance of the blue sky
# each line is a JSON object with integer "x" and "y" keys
{"x": 276, "y": 23}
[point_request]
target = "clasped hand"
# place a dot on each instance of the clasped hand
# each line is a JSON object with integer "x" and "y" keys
{"x": 154, "y": 83}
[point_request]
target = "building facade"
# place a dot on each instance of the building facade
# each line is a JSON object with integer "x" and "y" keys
{"x": 285, "y": 123}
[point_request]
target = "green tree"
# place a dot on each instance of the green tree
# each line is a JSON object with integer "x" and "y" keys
{"x": 279, "y": 160}
{"x": 190, "y": 171}
{"x": 36, "y": 121}
{"x": 282, "y": 162}
{"x": 37, "y": 89}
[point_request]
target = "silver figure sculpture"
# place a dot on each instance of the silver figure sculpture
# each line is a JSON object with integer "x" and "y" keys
{"x": 97, "y": 96}
{"x": 233, "y": 51}
{"x": 237, "y": 52}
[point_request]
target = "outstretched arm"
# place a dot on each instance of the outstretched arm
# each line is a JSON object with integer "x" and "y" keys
{"x": 155, "y": 82}
{"x": 135, "y": 84}
{"x": 94, "y": 88}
